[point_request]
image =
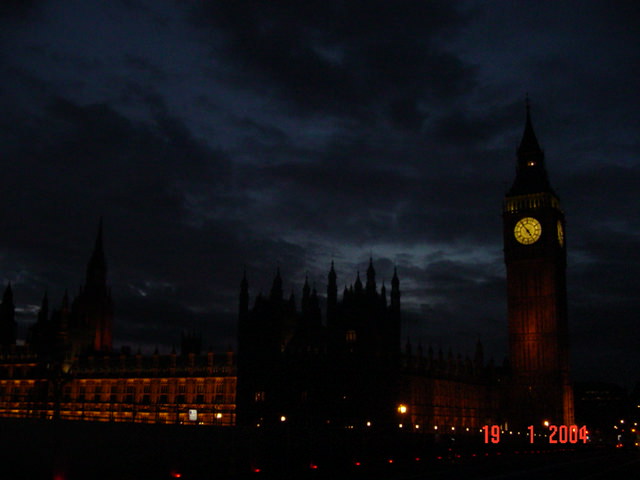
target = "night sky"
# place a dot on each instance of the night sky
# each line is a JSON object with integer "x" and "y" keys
{"x": 218, "y": 136}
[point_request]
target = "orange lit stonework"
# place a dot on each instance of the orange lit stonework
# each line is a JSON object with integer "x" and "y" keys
{"x": 132, "y": 388}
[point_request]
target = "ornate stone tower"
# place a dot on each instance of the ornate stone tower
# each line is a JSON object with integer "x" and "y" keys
{"x": 92, "y": 309}
{"x": 535, "y": 252}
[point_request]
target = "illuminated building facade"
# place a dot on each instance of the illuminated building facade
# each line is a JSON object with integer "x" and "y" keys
{"x": 124, "y": 388}
{"x": 535, "y": 253}
{"x": 67, "y": 369}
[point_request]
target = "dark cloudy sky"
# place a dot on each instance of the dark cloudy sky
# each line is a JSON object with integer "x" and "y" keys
{"x": 214, "y": 136}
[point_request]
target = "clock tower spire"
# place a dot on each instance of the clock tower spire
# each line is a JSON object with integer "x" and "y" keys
{"x": 535, "y": 257}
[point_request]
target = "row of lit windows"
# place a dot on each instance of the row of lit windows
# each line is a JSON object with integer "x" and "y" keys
{"x": 220, "y": 390}
{"x": 524, "y": 202}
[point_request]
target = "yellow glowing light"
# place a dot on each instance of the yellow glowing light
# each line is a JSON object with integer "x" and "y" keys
{"x": 435, "y": 427}
{"x": 402, "y": 408}
{"x": 368, "y": 424}
{"x": 283, "y": 418}
{"x": 527, "y": 230}
{"x": 546, "y": 423}
{"x": 219, "y": 416}
{"x": 399, "y": 425}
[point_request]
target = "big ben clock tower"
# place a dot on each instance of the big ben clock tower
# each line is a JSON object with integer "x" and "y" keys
{"x": 535, "y": 256}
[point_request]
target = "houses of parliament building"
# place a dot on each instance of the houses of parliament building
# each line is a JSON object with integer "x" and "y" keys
{"x": 341, "y": 365}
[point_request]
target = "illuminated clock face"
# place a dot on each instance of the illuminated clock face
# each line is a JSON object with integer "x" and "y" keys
{"x": 527, "y": 230}
{"x": 560, "y": 234}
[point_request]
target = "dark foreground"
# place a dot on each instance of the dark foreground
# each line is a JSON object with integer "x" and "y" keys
{"x": 103, "y": 451}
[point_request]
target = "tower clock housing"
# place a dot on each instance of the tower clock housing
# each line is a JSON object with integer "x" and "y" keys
{"x": 535, "y": 252}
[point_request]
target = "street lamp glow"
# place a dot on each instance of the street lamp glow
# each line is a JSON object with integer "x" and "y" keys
{"x": 283, "y": 418}
{"x": 546, "y": 423}
{"x": 402, "y": 408}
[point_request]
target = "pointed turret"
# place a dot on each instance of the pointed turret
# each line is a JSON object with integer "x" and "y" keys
{"x": 276, "y": 288}
{"x": 92, "y": 310}
{"x": 97, "y": 266}
{"x": 531, "y": 174}
{"x": 306, "y": 292}
{"x": 529, "y": 142}
{"x": 371, "y": 278}
{"x": 332, "y": 297}
{"x": 292, "y": 302}
{"x": 358, "y": 284}
{"x": 243, "y": 309}
{"x": 7, "y": 296}
{"x": 395, "y": 291}
{"x": 43, "y": 314}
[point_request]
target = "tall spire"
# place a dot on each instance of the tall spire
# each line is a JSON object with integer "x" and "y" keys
{"x": 7, "y": 296}
{"x": 529, "y": 143}
{"x": 395, "y": 291}
{"x": 371, "y": 278}
{"x": 358, "y": 284}
{"x": 332, "y": 296}
{"x": 43, "y": 314}
{"x": 531, "y": 174}
{"x": 244, "y": 296}
{"x": 97, "y": 266}
{"x": 276, "y": 288}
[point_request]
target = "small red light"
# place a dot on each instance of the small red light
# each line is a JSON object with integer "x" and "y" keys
{"x": 391, "y": 460}
{"x": 176, "y": 475}
{"x": 439, "y": 458}
{"x": 256, "y": 470}
{"x": 417, "y": 459}
{"x": 313, "y": 466}
{"x": 357, "y": 464}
